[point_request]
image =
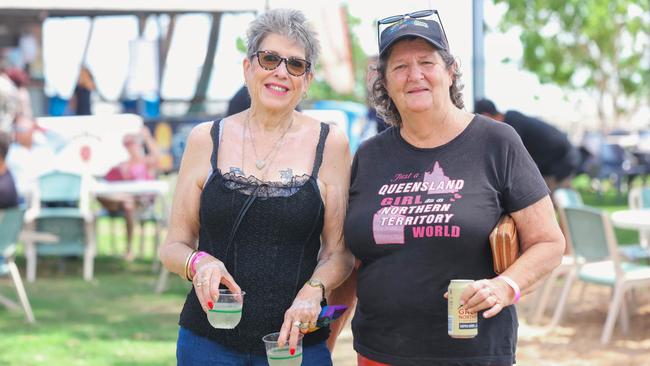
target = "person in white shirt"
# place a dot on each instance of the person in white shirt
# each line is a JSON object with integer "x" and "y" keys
{"x": 8, "y": 99}
{"x": 27, "y": 159}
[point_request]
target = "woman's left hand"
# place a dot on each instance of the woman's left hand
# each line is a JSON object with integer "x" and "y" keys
{"x": 301, "y": 316}
{"x": 493, "y": 295}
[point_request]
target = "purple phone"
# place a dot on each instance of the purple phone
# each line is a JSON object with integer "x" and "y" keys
{"x": 329, "y": 313}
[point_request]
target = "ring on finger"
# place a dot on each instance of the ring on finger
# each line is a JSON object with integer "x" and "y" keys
{"x": 300, "y": 325}
{"x": 198, "y": 284}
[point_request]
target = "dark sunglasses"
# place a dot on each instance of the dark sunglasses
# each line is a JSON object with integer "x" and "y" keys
{"x": 270, "y": 61}
{"x": 414, "y": 15}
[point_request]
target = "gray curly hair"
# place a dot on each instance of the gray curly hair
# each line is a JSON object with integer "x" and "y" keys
{"x": 289, "y": 23}
{"x": 379, "y": 97}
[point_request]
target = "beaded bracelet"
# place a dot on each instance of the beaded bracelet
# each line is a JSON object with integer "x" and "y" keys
{"x": 513, "y": 285}
{"x": 195, "y": 260}
{"x": 188, "y": 260}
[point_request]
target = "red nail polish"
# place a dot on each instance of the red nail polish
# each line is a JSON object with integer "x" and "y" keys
{"x": 292, "y": 351}
{"x": 210, "y": 304}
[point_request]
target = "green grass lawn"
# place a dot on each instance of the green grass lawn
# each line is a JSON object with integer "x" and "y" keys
{"x": 114, "y": 320}
{"x": 117, "y": 319}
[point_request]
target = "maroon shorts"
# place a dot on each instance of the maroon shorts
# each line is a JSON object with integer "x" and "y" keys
{"x": 363, "y": 361}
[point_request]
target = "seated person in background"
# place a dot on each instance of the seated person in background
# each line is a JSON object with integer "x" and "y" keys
{"x": 29, "y": 156}
{"x": 140, "y": 165}
{"x": 8, "y": 98}
{"x": 8, "y": 195}
{"x": 23, "y": 99}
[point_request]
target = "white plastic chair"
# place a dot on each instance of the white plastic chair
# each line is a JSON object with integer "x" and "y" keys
{"x": 74, "y": 226}
{"x": 597, "y": 257}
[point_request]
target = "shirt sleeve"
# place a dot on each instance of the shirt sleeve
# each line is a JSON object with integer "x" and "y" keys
{"x": 523, "y": 183}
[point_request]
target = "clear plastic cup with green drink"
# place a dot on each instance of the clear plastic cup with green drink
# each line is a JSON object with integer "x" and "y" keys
{"x": 226, "y": 312}
{"x": 281, "y": 356}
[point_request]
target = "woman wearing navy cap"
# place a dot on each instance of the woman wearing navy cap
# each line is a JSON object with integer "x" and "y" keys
{"x": 424, "y": 196}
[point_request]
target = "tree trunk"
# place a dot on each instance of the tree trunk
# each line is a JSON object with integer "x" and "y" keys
{"x": 600, "y": 104}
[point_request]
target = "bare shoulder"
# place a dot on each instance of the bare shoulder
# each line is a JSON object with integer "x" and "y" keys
{"x": 200, "y": 133}
{"x": 196, "y": 157}
{"x": 336, "y": 156}
{"x": 336, "y": 143}
{"x": 313, "y": 127}
{"x": 337, "y": 140}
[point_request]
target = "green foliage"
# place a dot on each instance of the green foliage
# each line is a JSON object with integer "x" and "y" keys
{"x": 595, "y": 45}
{"x": 240, "y": 43}
{"x": 321, "y": 90}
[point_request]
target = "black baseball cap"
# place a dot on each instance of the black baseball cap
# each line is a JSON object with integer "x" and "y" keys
{"x": 485, "y": 106}
{"x": 427, "y": 29}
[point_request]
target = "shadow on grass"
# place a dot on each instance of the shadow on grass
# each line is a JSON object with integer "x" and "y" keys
{"x": 114, "y": 319}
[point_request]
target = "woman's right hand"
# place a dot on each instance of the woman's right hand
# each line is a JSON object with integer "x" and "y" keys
{"x": 210, "y": 273}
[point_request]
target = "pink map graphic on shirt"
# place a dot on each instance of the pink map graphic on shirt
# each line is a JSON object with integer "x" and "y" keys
{"x": 388, "y": 234}
{"x": 439, "y": 183}
{"x": 409, "y": 203}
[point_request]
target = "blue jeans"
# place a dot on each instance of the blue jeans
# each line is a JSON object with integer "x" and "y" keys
{"x": 193, "y": 349}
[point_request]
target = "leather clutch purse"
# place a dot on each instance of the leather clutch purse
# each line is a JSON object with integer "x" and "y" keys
{"x": 504, "y": 244}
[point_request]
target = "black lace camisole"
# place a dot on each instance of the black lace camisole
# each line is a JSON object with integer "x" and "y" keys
{"x": 272, "y": 253}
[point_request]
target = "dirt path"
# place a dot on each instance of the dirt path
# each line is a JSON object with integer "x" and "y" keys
{"x": 576, "y": 342}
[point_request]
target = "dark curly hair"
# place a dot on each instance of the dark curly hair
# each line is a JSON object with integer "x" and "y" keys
{"x": 384, "y": 104}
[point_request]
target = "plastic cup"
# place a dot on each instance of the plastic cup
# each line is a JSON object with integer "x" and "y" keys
{"x": 281, "y": 356}
{"x": 226, "y": 312}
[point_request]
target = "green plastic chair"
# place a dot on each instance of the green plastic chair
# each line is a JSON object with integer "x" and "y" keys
{"x": 597, "y": 262}
{"x": 11, "y": 223}
{"x": 563, "y": 197}
{"x": 60, "y": 206}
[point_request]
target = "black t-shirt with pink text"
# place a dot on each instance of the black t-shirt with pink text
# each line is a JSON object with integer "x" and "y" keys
{"x": 418, "y": 218}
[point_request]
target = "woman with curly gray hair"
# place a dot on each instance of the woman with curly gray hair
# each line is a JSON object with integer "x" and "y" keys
{"x": 424, "y": 197}
{"x": 258, "y": 209}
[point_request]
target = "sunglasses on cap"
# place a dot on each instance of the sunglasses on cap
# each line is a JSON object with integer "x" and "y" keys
{"x": 270, "y": 61}
{"x": 414, "y": 15}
